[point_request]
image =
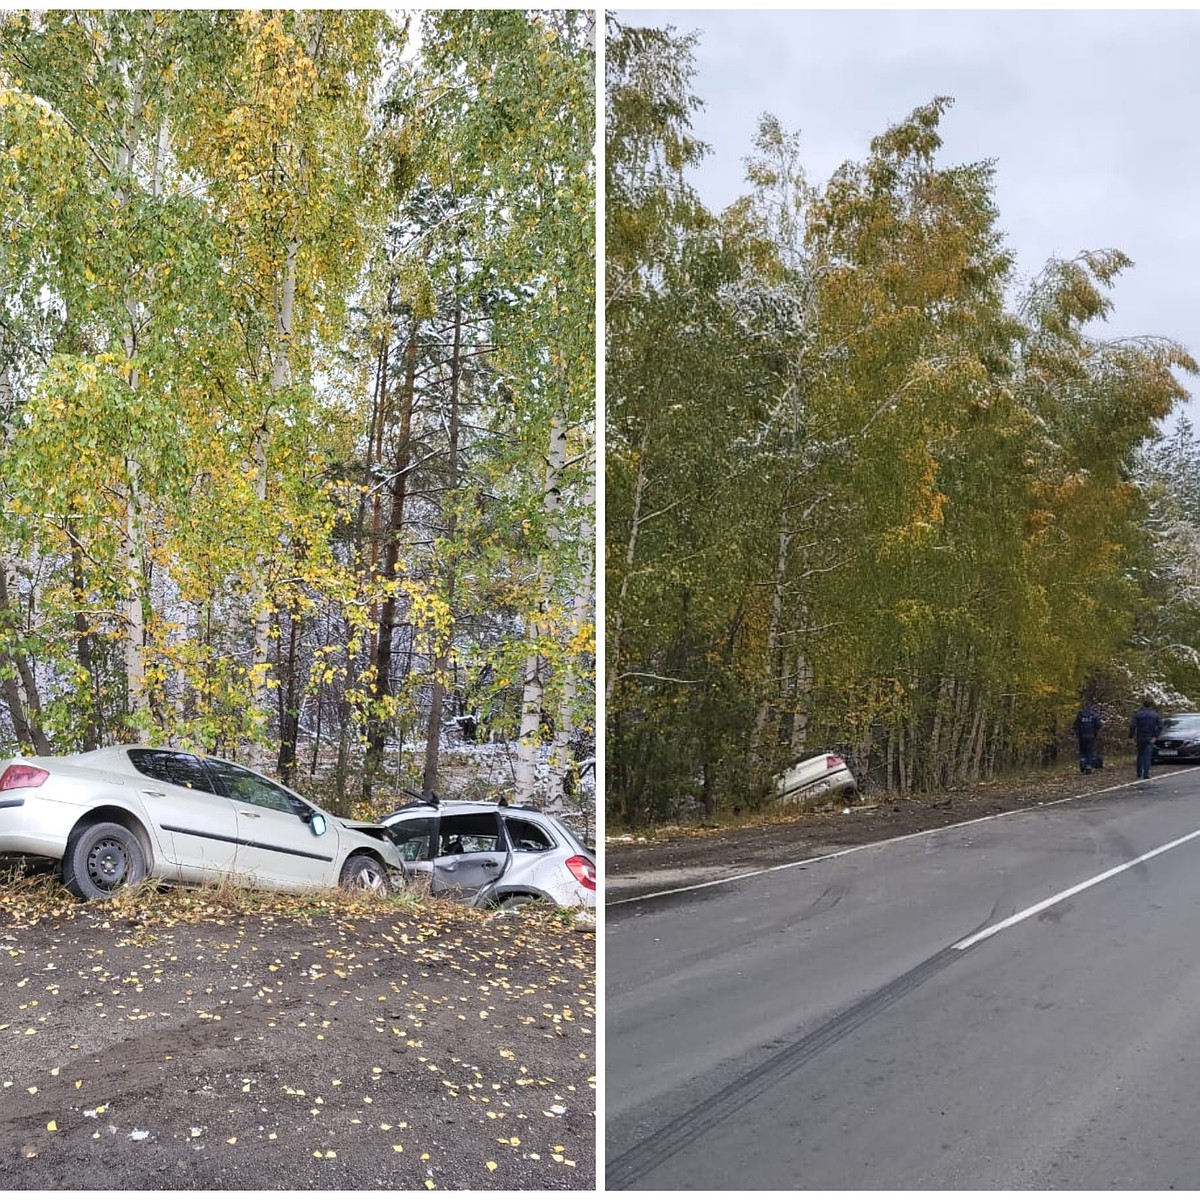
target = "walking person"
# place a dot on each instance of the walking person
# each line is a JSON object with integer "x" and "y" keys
{"x": 1087, "y": 727}
{"x": 1145, "y": 726}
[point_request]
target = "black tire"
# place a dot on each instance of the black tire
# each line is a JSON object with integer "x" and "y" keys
{"x": 101, "y": 858}
{"x": 362, "y": 873}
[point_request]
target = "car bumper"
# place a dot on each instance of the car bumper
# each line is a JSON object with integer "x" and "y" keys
{"x": 36, "y": 845}
{"x": 35, "y": 825}
{"x": 839, "y": 781}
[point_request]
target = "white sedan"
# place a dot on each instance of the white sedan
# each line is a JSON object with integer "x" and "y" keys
{"x": 118, "y": 815}
{"x": 811, "y": 778}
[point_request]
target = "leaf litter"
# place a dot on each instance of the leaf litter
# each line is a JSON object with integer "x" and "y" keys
{"x": 225, "y": 1038}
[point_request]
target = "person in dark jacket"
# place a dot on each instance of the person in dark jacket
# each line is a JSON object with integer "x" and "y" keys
{"x": 1145, "y": 726}
{"x": 1087, "y": 726}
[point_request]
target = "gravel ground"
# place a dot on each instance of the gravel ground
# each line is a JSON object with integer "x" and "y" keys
{"x": 182, "y": 1040}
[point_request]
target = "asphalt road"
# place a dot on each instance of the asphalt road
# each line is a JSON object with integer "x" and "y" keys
{"x": 929, "y": 1013}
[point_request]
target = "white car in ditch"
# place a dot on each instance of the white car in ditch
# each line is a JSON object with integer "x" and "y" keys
{"x": 813, "y": 778}
{"x": 118, "y": 815}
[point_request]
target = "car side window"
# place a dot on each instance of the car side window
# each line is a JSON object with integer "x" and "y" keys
{"x": 526, "y": 836}
{"x": 171, "y": 766}
{"x": 468, "y": 833}
{"x": 413, "y": 838}
{"x": 245, "y": 787}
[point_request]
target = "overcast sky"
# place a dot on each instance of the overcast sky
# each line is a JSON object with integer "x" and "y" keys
{"x": 1092, "y": 119}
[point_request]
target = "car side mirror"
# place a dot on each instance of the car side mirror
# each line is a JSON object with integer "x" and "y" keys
{"x": 318, "y": 824}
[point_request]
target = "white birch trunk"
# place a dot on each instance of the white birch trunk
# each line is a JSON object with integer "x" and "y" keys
{"x": 802, "y": 686}
{"x": 131, "y": 540}
{"x": 533, "y": 683}
{"x": 561, "y": 757}
{"x": 639, "y": 493}
{"x": 281, "y": 375}
{"x": 530, "y": 734}
{"x": 769, "y": 688}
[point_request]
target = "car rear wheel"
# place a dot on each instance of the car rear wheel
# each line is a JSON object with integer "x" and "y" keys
{"x": 101, "y": 858}
{"x": 362, "y": 873}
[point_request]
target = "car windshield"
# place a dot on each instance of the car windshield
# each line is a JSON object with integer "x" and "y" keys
{"x": 1184, "y": 722}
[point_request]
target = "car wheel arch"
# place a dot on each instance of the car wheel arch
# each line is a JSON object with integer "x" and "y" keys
{"x": 120, "y": 815}
{"x": 396, "y": 879}
{"x": 526, "y": 894}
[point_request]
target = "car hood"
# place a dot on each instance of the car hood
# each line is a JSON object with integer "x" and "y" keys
{"x": 370, "y": 828}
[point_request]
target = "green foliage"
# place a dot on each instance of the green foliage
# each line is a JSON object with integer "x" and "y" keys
{"x": 213, "y": 221}
{"x": 856, "y": 498}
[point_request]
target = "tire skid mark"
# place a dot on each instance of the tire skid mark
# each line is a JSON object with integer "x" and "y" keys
{"x": 114, "y": 1071}
{"x": 624, "y": 1171}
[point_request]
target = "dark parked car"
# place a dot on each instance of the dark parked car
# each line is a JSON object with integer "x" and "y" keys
{"x": 1179, "y": 740}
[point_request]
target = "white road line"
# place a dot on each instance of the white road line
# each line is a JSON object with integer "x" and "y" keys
{"x": 904, "y": 837}
{"x": 1034, "y": 909}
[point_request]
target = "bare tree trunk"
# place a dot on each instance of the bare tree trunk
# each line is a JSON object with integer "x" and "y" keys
{"x": 976, "y": 744}
{"x": 445, "y": 642}
{"x": 771, "y": 670}
{"x": 18, "y": 687}
{"x": 381, "y": 690}
{"x": 84, "y": 643}
{"x": 289, "y": 701}
{"x": 962, "y": 741}
{"x": 935, "y": 770}
{"x": 617, "y": 626}
{"x": 260, "y": 602}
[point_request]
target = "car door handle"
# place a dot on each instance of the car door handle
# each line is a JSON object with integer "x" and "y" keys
{"x": 148, "y": 792}
{"x": 244, "y": 813}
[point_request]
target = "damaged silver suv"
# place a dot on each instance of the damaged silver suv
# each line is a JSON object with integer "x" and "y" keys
{"x": 493, "y": 854}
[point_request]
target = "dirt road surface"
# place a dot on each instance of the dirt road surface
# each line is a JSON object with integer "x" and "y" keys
{"x": 176, "y": 1041}
{"x": 676, "y": 858}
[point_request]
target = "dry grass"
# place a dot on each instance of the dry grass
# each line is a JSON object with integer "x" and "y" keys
{"x": 30, "y": 897}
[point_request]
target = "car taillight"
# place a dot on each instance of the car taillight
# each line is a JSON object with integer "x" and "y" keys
{"x": 583, "y": 869}
{"x": 21, "y": 776}
{"x": 832, "y": 762}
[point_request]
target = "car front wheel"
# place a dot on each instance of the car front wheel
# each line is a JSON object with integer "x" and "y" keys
{"x": 101, "y": 858}
{"x": 362, "y": 873}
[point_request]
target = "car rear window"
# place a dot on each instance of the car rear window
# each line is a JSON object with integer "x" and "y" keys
{"x": 525, "y": 835}
{"x": 169, "y": 766}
